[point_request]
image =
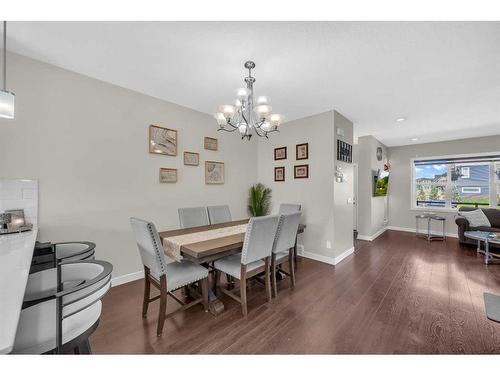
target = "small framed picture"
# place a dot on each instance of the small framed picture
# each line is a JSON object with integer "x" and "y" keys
{"x": 301, "y": 171}
{"x": 302, "y": 151}
{"x": 214, "y": 172}
{"x": 211, "y": 144}
{"x": 168, "y": 175}
{"x": 191, "y": 158}
{"x": 280, "y": 153}
{"x": 162, "y": 141}
{"x": 279, "y": 174}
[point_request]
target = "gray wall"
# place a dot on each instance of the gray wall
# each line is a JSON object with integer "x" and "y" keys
{"x": 326, "y": 212}
{"x": 86, "y": 142}
{"x": 400, "y": 212}
{"x": 372, "y": 211}
{"x": 343, "y": 192}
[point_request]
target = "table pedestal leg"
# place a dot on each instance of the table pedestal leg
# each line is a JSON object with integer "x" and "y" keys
{"x": 215, "y": 305}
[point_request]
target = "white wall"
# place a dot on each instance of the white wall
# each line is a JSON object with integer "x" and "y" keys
{"x": 372, "y": 211}
{"x": 86, "y": 142}
{"x": 400, "y": 213}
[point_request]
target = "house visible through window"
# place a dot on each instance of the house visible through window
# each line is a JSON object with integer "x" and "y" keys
{"x": 454, "y": 182}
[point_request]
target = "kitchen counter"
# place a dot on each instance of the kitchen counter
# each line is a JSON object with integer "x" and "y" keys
{"x": 16, "y": 252}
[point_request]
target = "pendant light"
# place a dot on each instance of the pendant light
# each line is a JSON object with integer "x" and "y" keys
{"x": 7, "y": 98}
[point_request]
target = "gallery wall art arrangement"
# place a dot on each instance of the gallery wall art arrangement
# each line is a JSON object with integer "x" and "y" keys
{"x": 164, "y": 141}
{"x": 299, "y": 171}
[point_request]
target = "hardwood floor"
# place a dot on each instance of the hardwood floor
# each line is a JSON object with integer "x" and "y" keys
{"x": 397, "y": 294}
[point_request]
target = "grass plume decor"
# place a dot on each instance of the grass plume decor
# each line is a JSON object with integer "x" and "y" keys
{"x": 259, "y": 200}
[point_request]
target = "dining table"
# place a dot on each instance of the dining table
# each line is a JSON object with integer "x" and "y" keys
{"x": 208, "y": 243}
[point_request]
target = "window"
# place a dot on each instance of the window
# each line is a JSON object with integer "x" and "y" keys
{"x": 456, "y": 181}
{"x": 465, "y": 172}
{"x": 471, "y": 190}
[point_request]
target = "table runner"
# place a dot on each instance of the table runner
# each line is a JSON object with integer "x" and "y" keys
{"x": 172, "y": 245}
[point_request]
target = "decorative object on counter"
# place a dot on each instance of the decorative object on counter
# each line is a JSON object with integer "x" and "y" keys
{"x": 344, "y": 151}
{"x": 280, "y": 153}
{"x": 162, "y": 141}
{"x": 12, "y": 221}
{"x": 259, "y": 200}
{"x": 211, "y": 144}
{"x": 301, "y": 171}
{"x": 279, "y": 174}
{"x": 302, "y": 151}
{"x": 246, "y": 115}
{"x": 7, "y": 98}
{"x": 5, "y": 219}
{"x": 339, "y": 175}
{"x": 214, "y": 172}
{"x": 168, "y": 175}
{"x": 191, "y": 158}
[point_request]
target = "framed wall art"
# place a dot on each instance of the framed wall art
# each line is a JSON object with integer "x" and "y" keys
{"x": 279, "y": 174}
{"x": 302, "y": 151}
{"x": 211, "y": 144}
{"x": 191, "y": 158}
{"x": 162, "y": 141}
{"x": 301, "y": 171}
{"x": 168, "y": 175}
{"x": 214, "y": 172}
{"x": 280, "y": 153}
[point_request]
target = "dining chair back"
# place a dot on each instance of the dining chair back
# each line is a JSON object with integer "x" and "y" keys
{"x": 259, "y": 238}
{"x": 288, "y": 208}
{"x": 150, "y": 246}
{"x": 219, "y": 214}
{"x": 190, "y": 217}
{"x": 287, "y": 232}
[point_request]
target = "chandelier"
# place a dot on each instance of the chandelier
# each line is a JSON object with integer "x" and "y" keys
{"x": 247, "y": 115}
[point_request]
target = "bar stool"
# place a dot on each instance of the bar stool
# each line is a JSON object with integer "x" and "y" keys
{"x": 43, "y": 284}
{"x": 66, "y": 321}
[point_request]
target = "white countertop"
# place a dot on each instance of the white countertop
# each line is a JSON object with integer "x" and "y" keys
{"x": 16, "y": 252}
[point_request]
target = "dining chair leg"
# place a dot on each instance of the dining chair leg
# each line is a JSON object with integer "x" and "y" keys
{"x": 243, "y": 290}
{"x": 268, "y": 278}
{"x": 163, "y": 305}
{"x": 147, "y": 290}
{"x": 291, "y": 267}
{"x": 273, "y": 275}
{"x": 217, "y": 276}
{"x": 204, "y": 292}
{"x": 84, "y": 347}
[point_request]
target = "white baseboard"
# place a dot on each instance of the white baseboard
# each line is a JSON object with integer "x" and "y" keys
{"x": 119, "y": 280}
{"x": 365, "y": 237}
{"x": 324, "y": 258}
{"x": 412, "y": 230}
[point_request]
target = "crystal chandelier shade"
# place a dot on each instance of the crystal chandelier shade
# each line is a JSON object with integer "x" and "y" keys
{"x": 246, "y": 114}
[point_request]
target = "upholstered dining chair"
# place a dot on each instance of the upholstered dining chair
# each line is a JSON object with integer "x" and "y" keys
{"x": 219, "y": 214}
{"x": 66, "y": 321}
{"x": 166, "y": 274}
{"x": 283, "y": 247}
{"x": 254, "y": 258}
{"x": 288, "y": 208}
{"x": 43, "y": 284}
{"x": 190, "y": 217}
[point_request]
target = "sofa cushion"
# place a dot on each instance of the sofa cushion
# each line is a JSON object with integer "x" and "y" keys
{"x": 476, "y": 218}
{"x": 493, "y": 216}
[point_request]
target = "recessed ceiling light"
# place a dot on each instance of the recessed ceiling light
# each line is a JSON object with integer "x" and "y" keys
{"x": 400, "y": 119}
{"x": 415, "y": 139}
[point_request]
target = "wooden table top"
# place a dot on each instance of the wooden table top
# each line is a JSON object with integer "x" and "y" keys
{"x": 206, "y": 251}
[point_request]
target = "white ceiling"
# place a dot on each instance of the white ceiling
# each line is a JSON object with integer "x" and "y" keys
{"x": 443, "y": 76}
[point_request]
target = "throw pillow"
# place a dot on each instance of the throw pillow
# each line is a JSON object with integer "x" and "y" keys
{"x": 476, "y": 218}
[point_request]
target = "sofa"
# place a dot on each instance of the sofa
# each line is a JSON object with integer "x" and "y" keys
{"x": 493, "y": 216}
